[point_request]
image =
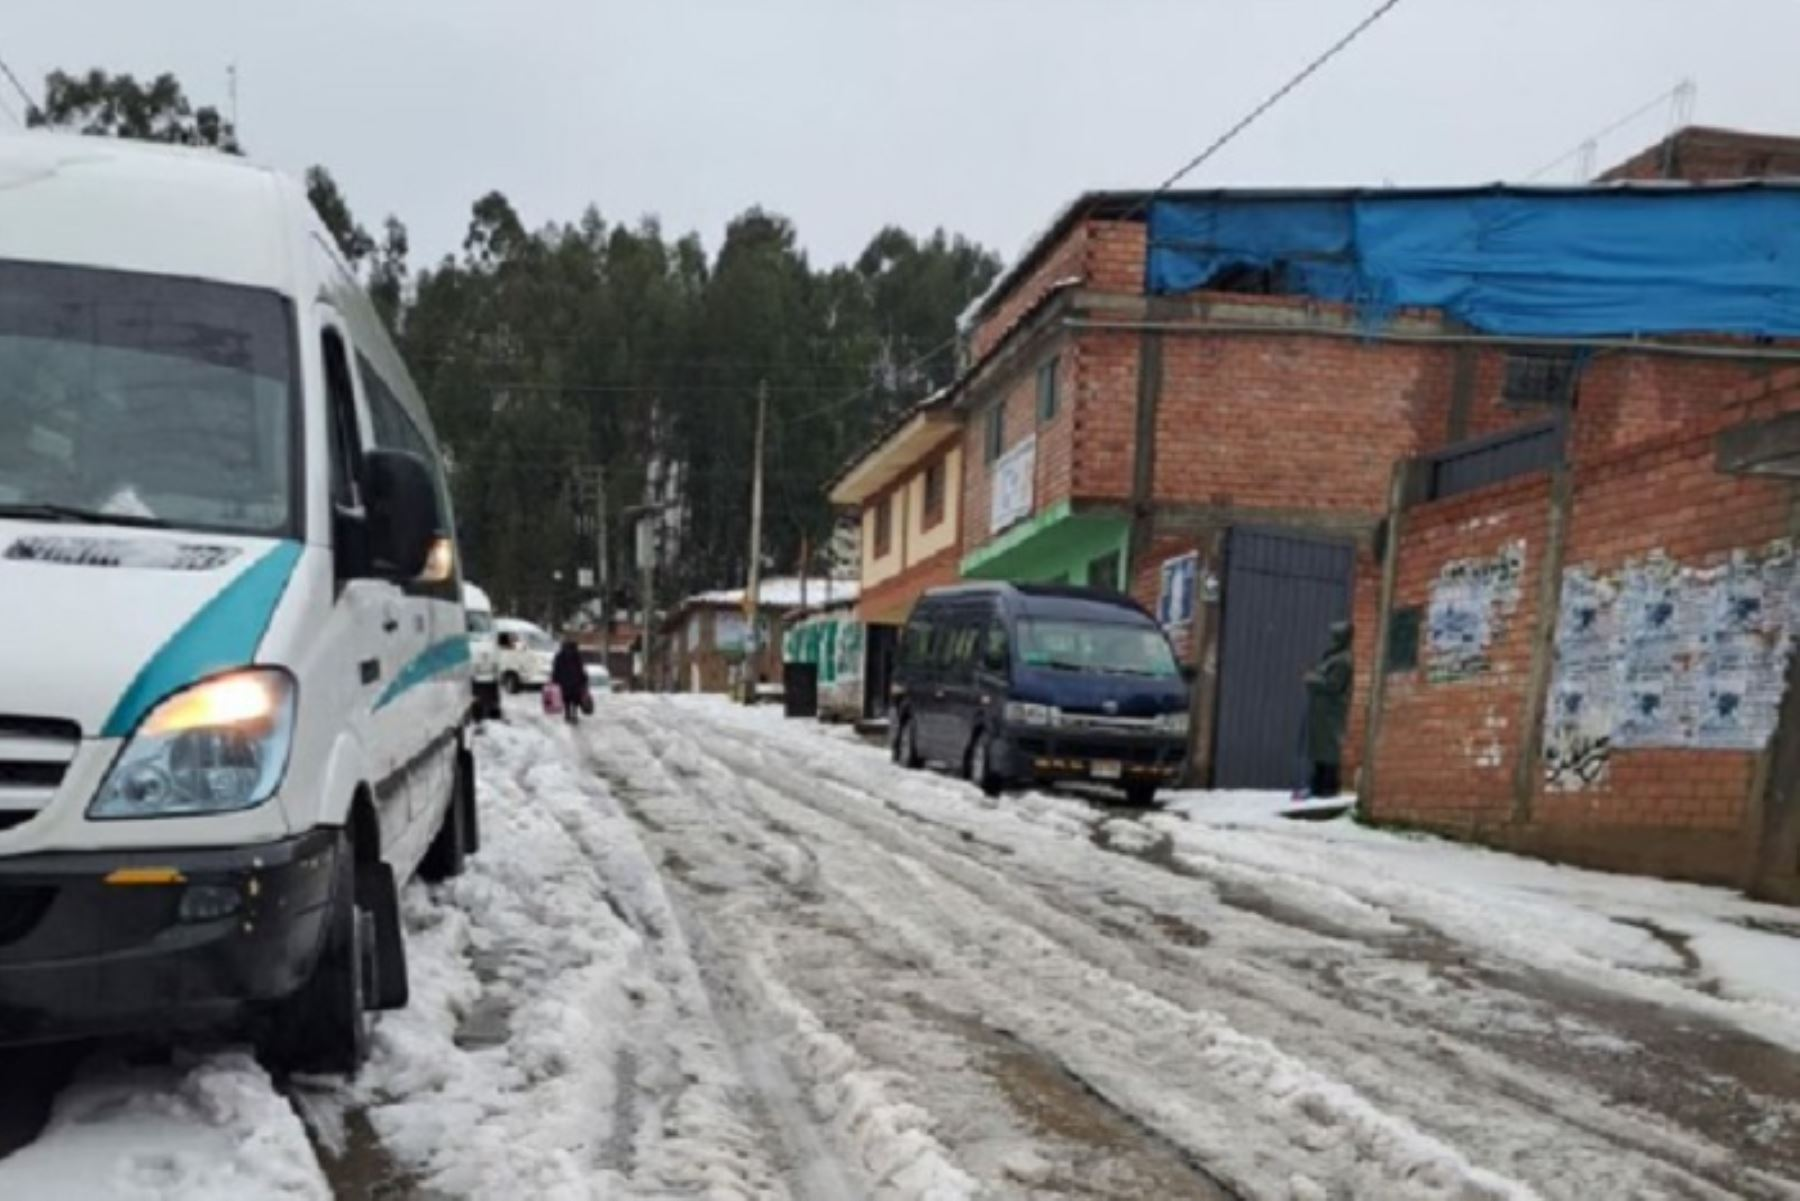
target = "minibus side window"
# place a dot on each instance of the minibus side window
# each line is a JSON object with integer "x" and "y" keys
{"x": 346, "y": 445}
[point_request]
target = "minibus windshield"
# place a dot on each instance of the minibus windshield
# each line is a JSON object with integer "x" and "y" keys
{"x": 145, "y": 400}
{"x": 1095, "y": 646}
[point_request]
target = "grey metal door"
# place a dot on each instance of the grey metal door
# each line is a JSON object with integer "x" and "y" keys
{"x": 1282, "y": 592}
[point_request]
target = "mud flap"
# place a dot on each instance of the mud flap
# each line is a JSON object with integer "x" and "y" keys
{"x": 378, "y": 896}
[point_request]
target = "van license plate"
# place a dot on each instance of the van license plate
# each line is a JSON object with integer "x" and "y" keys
{"x": 1105, "y": 769}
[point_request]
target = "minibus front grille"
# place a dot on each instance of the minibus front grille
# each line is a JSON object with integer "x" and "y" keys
{"x": 35, "y": 754}
{"x": 47, "y": 729}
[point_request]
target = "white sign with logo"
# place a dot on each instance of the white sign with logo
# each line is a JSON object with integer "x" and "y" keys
{"x": 1013, "y": 472}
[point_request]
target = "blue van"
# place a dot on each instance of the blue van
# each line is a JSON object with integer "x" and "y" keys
{"x": 1027, "y": 683}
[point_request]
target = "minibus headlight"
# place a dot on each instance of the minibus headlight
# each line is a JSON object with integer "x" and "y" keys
{"x": 217, "y": 747}
{"x": 1173, "y": 723}
{"x": 1019, "y": 713}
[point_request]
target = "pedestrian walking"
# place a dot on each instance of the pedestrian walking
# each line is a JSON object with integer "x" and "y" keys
{"x": 569, "y": 675}
{"x": 1328, "y": 688}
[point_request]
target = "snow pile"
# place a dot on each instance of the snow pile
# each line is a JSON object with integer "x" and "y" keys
{"x": 213, "y": 1130}
{"x": 548, "y": 1051}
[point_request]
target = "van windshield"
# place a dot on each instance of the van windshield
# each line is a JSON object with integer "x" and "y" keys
{"x": 480, "y": 622}
{"x": 139, "y": 399}
{"x": 1095, "y": 646}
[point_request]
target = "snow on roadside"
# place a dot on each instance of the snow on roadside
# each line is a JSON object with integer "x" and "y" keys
{"x": 1587, "y": 925}
{"x": 550, "y": 1049}
{"x": 213, "y": 1129}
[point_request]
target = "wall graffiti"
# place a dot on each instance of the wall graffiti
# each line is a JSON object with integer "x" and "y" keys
{"x": 1658, "y": 655}
{"x": 1469, "y": 601}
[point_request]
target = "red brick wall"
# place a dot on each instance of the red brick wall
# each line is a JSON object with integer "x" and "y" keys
{"x": 1680, "y": 811}
{"x": 1105, "y": 413}
{"x": 1448, "y": 750}
{"x": 1115, "y": 256}
{"x": 1067, "y": 259}
{"x": 1700, "y": 154}
{"x": 1294, "y": 422}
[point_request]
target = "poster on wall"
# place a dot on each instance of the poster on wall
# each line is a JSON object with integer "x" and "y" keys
{"x": 1469, "y": 600}
{"x": 1013, "y": 472}
{"x": 1658, "y": 655}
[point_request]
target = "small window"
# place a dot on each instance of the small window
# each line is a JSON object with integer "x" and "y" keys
{"x": 1046, "y": 390}
{"x": 1403, "y": 639}
{"x": 346, "y": 444}
{"x": 884, "y": 526}
{"x": 996, "y": 430}
{"x": 1538, "y": 378}
{"x": 933, "y": 505}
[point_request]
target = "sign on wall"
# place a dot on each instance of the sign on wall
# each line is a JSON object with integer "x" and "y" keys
{"x": 1012, "y": 480}
{"x": 1175, "y": 599}
{"x": 1658, "y": 655}
{"x": 1469, "y": 600}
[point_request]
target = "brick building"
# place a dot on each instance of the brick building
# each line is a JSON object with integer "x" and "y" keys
{"x": 1589, "y": 660}
{"x": 1199, "y": 397}
{"x": 906, "y": 492}
{"x": 1701, "y": 154}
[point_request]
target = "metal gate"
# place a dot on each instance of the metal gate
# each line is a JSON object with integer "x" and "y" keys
{"x": 1282, "y": 592}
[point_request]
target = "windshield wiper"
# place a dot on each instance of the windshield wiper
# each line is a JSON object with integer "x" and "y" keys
{"x": 49, "y": 512}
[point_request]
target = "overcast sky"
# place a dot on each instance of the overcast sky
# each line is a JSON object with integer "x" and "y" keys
{"x": 978, "y": 115}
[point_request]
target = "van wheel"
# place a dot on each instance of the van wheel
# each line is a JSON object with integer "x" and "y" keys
{"x": 906, "y": 745}
{"x": 511, "y": 682}
{"x": 1140, "y": 796}
{"x": 445, "y": 857}
{"x": 324, "y": 1026}
{"x": 981, "y": 766}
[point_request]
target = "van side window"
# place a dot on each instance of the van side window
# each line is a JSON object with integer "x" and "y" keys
{"x": 346, "y": 445}
{"x": 915, "y": 651}
{"x": 993, "y": 651}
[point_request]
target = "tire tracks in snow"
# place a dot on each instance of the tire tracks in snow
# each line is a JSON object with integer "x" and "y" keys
{"x": 1446, "y": 1083}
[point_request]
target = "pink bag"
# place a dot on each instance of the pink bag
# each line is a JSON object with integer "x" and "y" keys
{"x": 553, "y": 700}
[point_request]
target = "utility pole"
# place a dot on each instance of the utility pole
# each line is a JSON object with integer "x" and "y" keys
{"x": 602, "y": 565}
{"x": 753, "y": 592}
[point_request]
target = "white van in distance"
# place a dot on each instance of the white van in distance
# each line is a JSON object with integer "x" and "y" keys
{"x": 234, "y": 684}
{"x": 484, "y": 652}
{"x": 526, "y": 653}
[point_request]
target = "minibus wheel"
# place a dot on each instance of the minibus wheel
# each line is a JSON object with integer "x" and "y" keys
{"x": 445, "y": 857}
{"x": 324, "y": 1027}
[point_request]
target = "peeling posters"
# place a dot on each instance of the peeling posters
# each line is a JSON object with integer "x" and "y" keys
{"x": 1468, "y": 600}
{"x": 1659, "y": 655}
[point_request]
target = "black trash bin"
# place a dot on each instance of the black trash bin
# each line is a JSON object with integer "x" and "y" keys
{"x": 800, "y": 689}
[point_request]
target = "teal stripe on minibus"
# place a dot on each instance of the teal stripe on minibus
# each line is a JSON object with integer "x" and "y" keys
{"x": 223, "y": 634}
{"x": 434, "y": 660}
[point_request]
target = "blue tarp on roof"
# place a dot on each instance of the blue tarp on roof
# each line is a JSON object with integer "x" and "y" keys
{"x": 1548, "y": 264}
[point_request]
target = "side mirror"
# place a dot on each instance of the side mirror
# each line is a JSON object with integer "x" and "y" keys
{"x": 1189, "y": 672}
{"x": 404, "y": 522}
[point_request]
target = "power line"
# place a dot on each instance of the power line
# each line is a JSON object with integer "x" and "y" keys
{"x": 17, "y": 86}
{"x": 1224, "y": 139}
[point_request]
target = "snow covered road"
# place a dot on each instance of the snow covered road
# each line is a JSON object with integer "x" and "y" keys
{"x": 709, "y": 953}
